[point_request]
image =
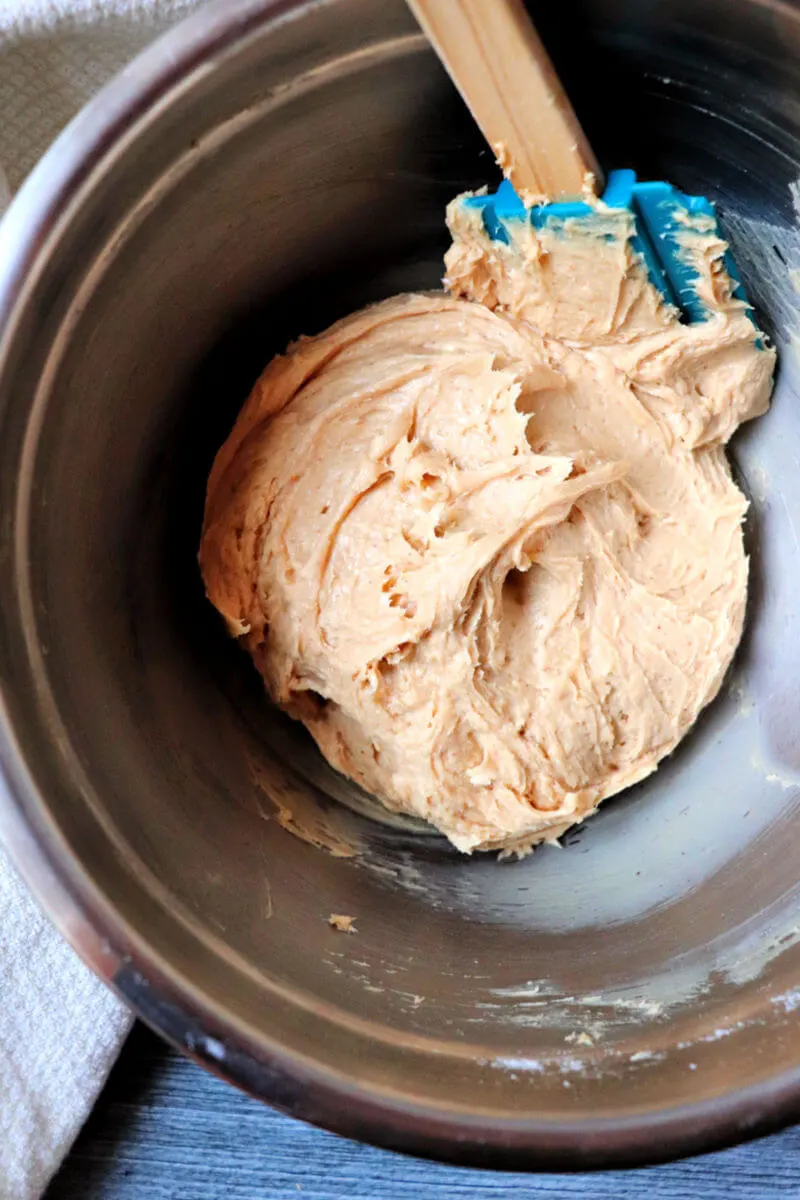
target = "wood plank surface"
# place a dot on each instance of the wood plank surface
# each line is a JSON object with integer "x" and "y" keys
{"x": 166, "y": 1130}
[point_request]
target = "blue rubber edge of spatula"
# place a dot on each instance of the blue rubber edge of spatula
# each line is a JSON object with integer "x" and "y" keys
{"x": 660, "y": 212}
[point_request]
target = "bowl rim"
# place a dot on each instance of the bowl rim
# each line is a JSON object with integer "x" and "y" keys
{"x": 95, "y": 929}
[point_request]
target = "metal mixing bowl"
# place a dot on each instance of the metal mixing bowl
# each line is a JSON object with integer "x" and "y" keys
{"x": 265, "y": 168}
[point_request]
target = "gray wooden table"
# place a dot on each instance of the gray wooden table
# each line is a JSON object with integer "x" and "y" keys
{"x": 165, "y": 1130}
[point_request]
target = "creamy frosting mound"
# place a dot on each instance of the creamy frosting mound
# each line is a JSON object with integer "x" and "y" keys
{"x": 487, "y": 545}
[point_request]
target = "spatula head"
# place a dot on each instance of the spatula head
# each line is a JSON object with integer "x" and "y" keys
{"x": 665, "y": 220}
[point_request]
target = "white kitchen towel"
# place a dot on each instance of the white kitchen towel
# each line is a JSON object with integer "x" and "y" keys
{"x": 60, "y": 1031}
{"x": 55, "y": 54}
{"x": 60, "y": 1028}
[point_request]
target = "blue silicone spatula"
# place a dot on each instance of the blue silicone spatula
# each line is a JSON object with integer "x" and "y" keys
{"x": 497, "y": 61}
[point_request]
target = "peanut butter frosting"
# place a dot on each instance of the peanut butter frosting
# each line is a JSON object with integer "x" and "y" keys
{"x": 485, "y": 543}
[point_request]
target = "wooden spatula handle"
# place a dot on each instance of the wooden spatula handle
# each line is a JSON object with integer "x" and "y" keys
{"x": 501, "y": 68}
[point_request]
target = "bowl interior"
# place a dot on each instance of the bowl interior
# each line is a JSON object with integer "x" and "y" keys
{"x": 652, "y": 962}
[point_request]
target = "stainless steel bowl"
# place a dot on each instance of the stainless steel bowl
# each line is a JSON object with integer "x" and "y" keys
{"x": 266, "y": 167}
